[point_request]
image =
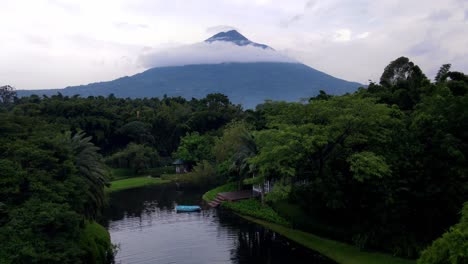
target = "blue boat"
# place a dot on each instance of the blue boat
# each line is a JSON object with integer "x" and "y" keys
{"x": 187, "y": 208}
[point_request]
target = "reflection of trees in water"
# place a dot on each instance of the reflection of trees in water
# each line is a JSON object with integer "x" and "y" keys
{"x": 251, "y": 243}
{"x": 147, "y": 200}
{"x": 253, "y": 246}
{"x": 256, "y": 244}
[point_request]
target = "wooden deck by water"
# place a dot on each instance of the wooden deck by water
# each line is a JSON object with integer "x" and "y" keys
{"x": 231, "y": 197}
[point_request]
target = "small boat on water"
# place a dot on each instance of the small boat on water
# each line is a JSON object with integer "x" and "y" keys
{"x": 188, "y": 208}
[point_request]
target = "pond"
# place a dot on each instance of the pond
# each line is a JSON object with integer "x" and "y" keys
{"x": 143, "y": 224}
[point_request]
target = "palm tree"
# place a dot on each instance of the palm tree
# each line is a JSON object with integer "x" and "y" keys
{"x": 91, "y": 167}
{"x": 239, "y": 160}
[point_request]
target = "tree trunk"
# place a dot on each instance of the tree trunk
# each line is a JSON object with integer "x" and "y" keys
{"x": 239, "y": 186}
{"x": 262, "y": 193}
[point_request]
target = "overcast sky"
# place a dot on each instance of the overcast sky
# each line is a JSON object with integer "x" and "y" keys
{"x": 55, "y": 43}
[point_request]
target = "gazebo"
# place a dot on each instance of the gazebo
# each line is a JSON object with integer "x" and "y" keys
{"x": 180, "y": 166}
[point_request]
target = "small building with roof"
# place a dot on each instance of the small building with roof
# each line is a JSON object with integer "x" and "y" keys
{"x": 180, "y": 166}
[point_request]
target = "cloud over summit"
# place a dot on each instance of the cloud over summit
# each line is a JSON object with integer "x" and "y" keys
{"x": 210, "y": 53}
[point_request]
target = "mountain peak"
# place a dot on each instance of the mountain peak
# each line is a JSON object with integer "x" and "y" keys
{"x": 231, "y": 35}
{"x": 236, "y": 38}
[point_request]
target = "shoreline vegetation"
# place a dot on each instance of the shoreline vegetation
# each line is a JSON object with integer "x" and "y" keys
{"x": 135, "y": 182}
{"x": 252, "y": 210}
{"x": 337, "y": 251}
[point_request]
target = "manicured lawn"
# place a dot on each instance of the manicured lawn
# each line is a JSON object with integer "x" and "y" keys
{"x": 337, "y": 251}
{"x": 253, "y": 207}
{"x": 124, "y": 173}
{"x": 211, "y": 194}
{"x": 134, "y": 183}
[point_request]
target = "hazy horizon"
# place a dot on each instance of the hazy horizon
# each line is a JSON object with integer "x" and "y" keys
{"x": 53, "y": 43}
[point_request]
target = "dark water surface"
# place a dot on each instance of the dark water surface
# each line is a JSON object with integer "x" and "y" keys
{"x": 143, "y": 223}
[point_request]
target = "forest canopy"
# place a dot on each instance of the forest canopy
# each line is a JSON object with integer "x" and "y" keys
{"x": 383, "y": 168}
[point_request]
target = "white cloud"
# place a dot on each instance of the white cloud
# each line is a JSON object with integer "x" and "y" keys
{"x": 362, "y": 35}
{"x": 342, "y": 35}
{"x": 56, "y": 43}
{"x": 221, "y": 28}
{"x": 210, "y": 53}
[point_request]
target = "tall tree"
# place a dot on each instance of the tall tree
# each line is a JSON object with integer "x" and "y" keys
{"x": 444, "y": 69}
{"x": 7, "y": 94}
{"x": 91, "y": 167}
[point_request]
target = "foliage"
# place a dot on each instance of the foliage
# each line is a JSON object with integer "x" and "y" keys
{"x": 280, "y": 192}
{"x": 202, "y": 175}
{"x": 7, "y": 94}
{"x": 51, "y": 184}
{"x": 138, "y": 132}
{"x": 254, "y": 208}
{"x": 194, "y": 148}
{"x": 452, "y": 247}
{"x": 90, "y": 165}
{"x": 444, "y": 69}
{"x": 159, "y": 171}
{"x": 211, "y": 194}
{"x": 366, "y": 166}
{"x": 402, "y": 83}
{"x": 115, "y": 122}
{"x": 233, "y": 150}
{"x": 95, "y": 240}
{"x": 379, "y": 161}
{"x": 45, "y": 232}
{"x": 137, "y": 157}
{"x": 299, "y": 219}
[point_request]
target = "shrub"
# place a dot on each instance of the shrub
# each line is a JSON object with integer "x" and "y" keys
{"x": 159, "y": 171}
{"x": 203, "y": 174}
{"x": 452, "y": 247}
{"x": 280, "y": 192}
{"x": 134, "y": 156}
{"x": 95, "y": 240}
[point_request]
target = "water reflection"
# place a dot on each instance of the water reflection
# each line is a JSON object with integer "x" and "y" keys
{"x": 147, "y": 229}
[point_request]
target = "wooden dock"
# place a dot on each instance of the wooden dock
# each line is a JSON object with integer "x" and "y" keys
{"x": 231, "y": 197}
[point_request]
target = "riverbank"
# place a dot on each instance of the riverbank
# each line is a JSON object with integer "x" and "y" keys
{"x": 135, "y": 182}
{"x": 211, "y": 194}
{"x": 340, "y": 252}
{"x": 337, "y": 251}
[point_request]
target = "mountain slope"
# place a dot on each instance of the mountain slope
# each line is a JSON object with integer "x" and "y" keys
{"x": 227, "y": 63}
{"x": 246, "y": 83}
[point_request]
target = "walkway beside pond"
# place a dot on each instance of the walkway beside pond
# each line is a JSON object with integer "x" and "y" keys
{"x": 231, "y": 197}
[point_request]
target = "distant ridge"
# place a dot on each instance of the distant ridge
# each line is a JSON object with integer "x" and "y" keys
{"x": 246, "y": 83}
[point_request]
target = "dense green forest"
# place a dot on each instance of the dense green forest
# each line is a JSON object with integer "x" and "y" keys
{"x": 383, "y": 168}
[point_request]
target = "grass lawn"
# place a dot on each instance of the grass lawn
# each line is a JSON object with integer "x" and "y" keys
{"x": 134, "y": 183}
{"x": 211, "y": 194}
{"x": 254, "y": 208}
{"x": 337, "y": 251}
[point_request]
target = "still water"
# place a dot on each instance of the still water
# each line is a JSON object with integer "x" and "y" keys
{"x": 144, "y": 225}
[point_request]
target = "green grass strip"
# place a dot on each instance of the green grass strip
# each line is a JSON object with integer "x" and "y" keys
{"x": 211, "y": 194}
{"x": 136, "y": 182}
{"x": 337, "y": 251}
{"x": 254, "y": 208}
